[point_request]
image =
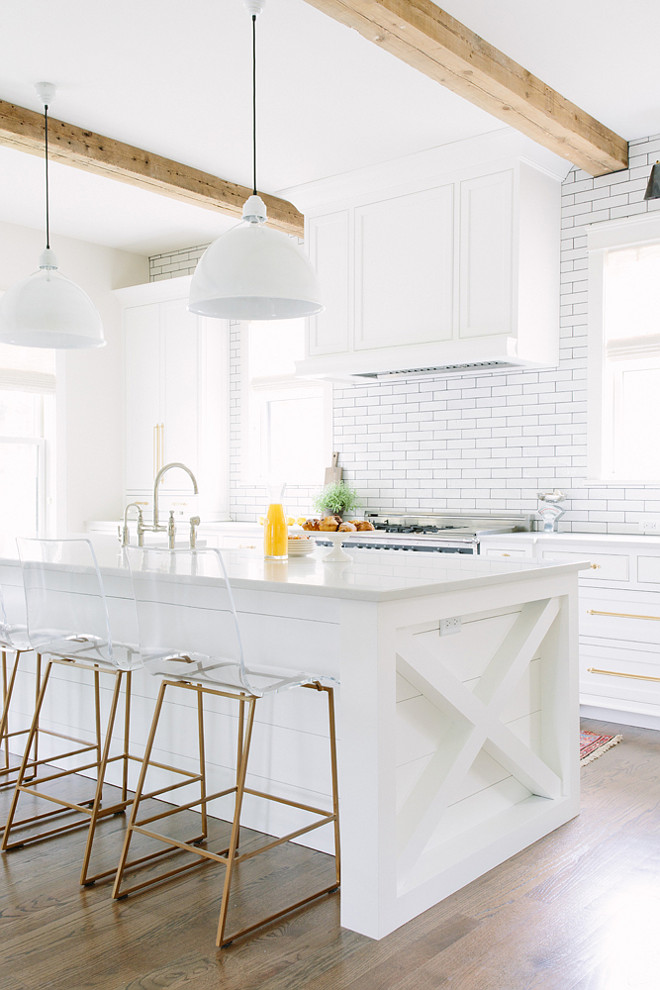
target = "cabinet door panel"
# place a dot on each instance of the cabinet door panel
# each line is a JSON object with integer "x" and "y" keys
{"x": 328, "y": 236}
{"x": 486, "y": 255}
{"x": 142, "y": 375}
{"x": 181, "y": 391}
{"x": 404, "y": 269}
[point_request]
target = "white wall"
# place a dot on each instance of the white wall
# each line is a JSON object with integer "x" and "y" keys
{"x": 90, "y": 383}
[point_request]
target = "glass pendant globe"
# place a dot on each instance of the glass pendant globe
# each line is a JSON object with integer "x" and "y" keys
{"x": 47, "y": 309}
{"x": 254, "y": 273}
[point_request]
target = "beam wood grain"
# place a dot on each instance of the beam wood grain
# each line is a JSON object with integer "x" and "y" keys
{"x": 24, "y": 130}
{"x": 425, "y": 37}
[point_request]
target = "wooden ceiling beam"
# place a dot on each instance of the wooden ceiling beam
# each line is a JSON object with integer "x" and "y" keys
{"x": 24, "y": 130}
{"x": 421, "y": 34}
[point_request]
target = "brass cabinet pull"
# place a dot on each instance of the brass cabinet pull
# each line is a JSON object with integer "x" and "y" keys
{"x": 623, "y": 615}
{"x": 618, "y": 673}
{"x": 595, "y": 567}
{"x": 506, "y": 554}
{"x": 162, "y": 446}
{"x": 154, "y": 450}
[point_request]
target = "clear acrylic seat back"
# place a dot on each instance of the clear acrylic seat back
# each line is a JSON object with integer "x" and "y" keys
{"x": 13, "y": 627}
{"x": 188, "y": 623}
{"x": 67, "y": 611}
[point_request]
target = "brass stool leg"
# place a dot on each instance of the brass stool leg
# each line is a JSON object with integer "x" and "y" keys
{"x": 4, "y": 737}
{"x": 97, "y": 715}
{"x": 240, "y": 782}
{"x": 26, "y": 758}
{"x": 7, "y": 692}
{"x": 127, "y": 734}
{"x": 202, "y": 759}
{"x": 116, "y": 890}
{"x": 335, "y": 783}
{"x": 101, "y": 771}
{"x": 37, "y": 683}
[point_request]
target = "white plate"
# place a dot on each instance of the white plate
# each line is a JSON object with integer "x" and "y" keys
{"x": 299, "y": 548}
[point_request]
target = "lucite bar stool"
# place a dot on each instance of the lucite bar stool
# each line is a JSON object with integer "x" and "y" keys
{"x": 68, "y": 623}
{"x": 190, "y": 636}
{"x": 14, "y": 640}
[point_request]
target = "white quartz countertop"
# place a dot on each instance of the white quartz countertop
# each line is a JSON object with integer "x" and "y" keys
{"x": 382, "y": 575}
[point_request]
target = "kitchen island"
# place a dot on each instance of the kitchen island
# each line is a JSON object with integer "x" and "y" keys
{"x": 458, "y": 710}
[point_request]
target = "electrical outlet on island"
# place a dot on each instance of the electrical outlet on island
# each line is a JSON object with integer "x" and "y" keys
{"x": 450, "y": 626}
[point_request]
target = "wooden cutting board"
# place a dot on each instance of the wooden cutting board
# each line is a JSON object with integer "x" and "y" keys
{"x": 333, "y": 473}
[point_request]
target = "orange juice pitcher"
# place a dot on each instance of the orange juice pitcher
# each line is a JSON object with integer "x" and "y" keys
{"x": 276, "y": 533}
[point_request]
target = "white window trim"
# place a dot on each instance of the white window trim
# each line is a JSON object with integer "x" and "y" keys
{"x": 600, "y": 238}
{"x": 280, "y": 386}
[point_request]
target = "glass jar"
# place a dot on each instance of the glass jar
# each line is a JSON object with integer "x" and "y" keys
{"x": 276, "y": 531}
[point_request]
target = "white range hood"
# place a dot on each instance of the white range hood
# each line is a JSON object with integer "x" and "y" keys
{"x": 443, "y": 263}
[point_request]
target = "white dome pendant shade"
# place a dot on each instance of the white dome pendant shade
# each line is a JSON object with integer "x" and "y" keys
{"x": 46, "y": 309}
{"x": 254, "y": 273}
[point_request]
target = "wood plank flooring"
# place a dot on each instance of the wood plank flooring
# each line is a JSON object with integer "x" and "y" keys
{"x": 579, "y": 910}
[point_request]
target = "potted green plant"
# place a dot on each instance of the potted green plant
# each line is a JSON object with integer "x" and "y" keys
{"x": 337, "y": 499}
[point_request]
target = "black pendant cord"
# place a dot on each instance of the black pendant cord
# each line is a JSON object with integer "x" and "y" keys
{"x": 254, "y": 104}
{"x": 47, "y": 202}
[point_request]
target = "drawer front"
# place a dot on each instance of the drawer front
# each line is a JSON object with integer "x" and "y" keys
{"x": 620, "y": 620}
{"x": 517, "y": 553}
{"x": 630, "y": 675}
{"x": 604, "y": 566}
{"x": 648, "y": 569}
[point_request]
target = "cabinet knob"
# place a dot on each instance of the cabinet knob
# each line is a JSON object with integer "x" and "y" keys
{"x": 506, "y": 555}
{"x": 595, "y": 567}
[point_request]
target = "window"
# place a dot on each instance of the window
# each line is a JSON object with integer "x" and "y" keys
{"x": 624, "y": 355}
{"x": 288, "y": 420}
{"x": 27, "y": 440}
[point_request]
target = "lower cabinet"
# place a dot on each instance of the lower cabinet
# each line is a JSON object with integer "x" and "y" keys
{"x": 619, "y": 618}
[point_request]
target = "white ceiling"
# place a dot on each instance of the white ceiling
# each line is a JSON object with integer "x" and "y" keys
{"x": 174, "y": 78}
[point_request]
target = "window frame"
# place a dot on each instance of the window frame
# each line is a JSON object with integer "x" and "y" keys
{"x": 601, "y": 238}
{"x": 45, "y": 385}
{"x": 265, "y": 389}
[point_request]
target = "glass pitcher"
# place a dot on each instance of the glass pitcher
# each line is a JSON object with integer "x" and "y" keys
{"x": 276, "y": 533}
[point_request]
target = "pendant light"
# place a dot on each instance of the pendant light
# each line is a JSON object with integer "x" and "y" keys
{"x": 47, "y": 309}
{"x": 253, "y": 272}
{"x": 653, "y": 187}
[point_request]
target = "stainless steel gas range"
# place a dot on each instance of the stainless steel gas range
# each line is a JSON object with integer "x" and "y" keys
{"x": 448, "y": 532}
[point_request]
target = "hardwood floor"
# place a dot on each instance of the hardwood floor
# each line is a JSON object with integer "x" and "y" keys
{"x": 579, "y": 910}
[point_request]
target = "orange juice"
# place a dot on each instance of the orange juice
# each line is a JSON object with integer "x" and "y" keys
{"x": 276, "y": 533}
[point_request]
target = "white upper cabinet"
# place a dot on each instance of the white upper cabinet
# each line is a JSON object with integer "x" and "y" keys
{"x": 328, "y": 243}
{"x": 176, "y": 392}
{"x": 436, "y": 272}
{"x": 404, "y": 282}
{"x": 486, "y": 255}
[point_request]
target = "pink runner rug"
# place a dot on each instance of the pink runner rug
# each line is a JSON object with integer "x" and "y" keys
{"x": 593, "y": 745}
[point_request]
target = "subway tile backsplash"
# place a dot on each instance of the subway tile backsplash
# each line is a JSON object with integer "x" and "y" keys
{"x": 485, "y": 442}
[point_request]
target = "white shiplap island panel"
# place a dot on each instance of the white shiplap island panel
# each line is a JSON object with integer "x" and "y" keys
{"x": 456, "y": 750}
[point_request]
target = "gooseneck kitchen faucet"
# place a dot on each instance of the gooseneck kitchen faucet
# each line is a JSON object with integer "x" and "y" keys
{"x": 157, "y": 526}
